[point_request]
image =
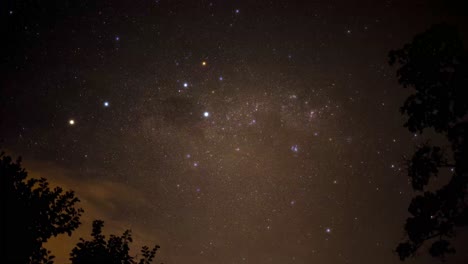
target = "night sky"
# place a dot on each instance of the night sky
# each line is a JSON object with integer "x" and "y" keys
{"x": 225, "y": 131}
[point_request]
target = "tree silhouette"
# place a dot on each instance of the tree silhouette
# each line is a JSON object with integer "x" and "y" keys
{"x": 435, "y": 65}
{"x": 113, "y": 251}
{"x": 32, "y": 212}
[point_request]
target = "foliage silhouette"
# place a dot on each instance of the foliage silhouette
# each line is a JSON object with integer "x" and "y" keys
{"x": 32, "y": 212}
{"x": 435, "y": 65}
{"x": 113, "y": 251}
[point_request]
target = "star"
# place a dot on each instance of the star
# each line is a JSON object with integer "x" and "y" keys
{"x": 185, "y": 84}
{"x": 237, "y": 11}
{"x": 206, "y": 114}
{"x": 311, "y": 115}
{"x": 117, "y": 38}
{"x": 295, "y": 148}
{"x": 106, "y": 104}
{"x": 220, "y": 78}
{"x": 328, "y": 230}
{"x": 71, "y": 122}
{"x": 203, "y": 63}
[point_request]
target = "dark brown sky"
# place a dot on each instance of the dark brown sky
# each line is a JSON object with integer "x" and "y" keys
{"x": 285, "y": 147}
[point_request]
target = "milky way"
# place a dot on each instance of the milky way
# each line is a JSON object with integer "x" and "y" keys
{"x": 224, "y": 131}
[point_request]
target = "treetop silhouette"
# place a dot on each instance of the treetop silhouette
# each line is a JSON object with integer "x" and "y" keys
{"x": 435, "y": 65}
{"x": 32, "y": 213}
{"x": 113, "y": 251}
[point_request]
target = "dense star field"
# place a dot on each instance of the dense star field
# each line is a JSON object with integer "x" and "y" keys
{"x": 224, "y": 131}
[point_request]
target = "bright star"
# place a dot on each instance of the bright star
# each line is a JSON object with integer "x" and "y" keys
{"x": 117, "y": 38}
{"x": 185, "y": 84}
{"x": 206, "y": 114}
{"x": 203, "y": 63}
{"x": 295, "y": 148}
{"x": 71, "y": 122}
{"x": 106, "y": 104}
{"x": 328, "y": 230}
